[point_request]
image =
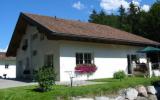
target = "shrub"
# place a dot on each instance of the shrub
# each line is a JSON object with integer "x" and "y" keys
{"x": 45, "y": 77}
{"x": 119, "y": 75}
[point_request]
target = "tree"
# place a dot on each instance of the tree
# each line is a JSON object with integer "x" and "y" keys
{"x": 122, "y": 15}
{"x": 103, "y": 18}
{"x": 133, "y": 17}
{"x": 122, "y": 19}
{"x": 142, "y": 15}
{"x": 153, "y": 22}
{"x": 134, "y": 20}
{"x": 93, "y": 17}
{"x": 157, "y": 1}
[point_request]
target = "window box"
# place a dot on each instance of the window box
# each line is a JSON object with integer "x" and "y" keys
{"x": 88, "y": 69}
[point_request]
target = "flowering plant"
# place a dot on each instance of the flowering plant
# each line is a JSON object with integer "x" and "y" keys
{"x": 85, "y": 69}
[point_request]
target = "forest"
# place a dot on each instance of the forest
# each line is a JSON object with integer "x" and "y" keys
{"x": 133, "y": 20}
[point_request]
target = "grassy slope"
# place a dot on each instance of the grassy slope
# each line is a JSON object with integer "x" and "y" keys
{"x": 111, "y": 85}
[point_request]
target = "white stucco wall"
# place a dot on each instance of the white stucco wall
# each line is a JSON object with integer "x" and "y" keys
{"x": 10, "y": 71}
{"x": 43, "y": 47}
{"x": 107, "y": 57}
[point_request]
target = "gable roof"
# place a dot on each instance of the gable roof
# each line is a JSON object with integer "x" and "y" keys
{"x": 56, "y": 28}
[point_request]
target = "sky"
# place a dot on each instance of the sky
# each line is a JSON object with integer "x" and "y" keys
{"x": 67, "y": 9}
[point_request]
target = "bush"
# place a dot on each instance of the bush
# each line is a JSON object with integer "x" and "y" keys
{"x": 45, "y": 77}
{"x": 119, "y": 75}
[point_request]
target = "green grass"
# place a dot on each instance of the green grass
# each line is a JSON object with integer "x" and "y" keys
{"x": 109, "y": 86}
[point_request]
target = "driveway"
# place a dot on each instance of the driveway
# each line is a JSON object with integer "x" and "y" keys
{"x": 6, "y": 83}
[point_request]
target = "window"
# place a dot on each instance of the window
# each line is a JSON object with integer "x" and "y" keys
{"x": 48, "y": 60}
{"x": 34, "y": 52}
{"x": 34, "y": 36}
{"x": 27, "y": 62}
{"x": 6, "y": 66}
{"x": 20, "y": 64}
{"x": 41, "y": 36}
{"x": 25, "y": 44}
{"x": 79, "y": 58}
{"x": 87, "y": 58}
{"x": 84, "y": 58}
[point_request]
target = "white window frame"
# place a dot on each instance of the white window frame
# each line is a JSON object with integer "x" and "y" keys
{"x": 83, "y": 54}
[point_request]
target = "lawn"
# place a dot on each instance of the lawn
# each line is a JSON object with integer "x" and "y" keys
{"x": 109, "y": 86}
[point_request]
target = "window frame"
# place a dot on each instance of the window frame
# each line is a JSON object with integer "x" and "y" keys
{"x": 80, "y": 59}
{"x": 89, "y": 60}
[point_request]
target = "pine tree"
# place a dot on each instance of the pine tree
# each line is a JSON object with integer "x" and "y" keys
{"x": 122, "y": 18}
{"x": 93, "y": 17}
{"x": 153, "y": 22}
{"x": 133, "y": 17}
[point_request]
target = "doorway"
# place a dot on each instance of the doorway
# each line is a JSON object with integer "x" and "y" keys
{"x": 129, "y": 64}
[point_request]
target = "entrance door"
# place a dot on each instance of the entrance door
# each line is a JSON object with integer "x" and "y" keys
{"x": 129, "y": 64}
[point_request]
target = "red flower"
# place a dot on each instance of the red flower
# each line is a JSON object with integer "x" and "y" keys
{"x": 85, "y": 69}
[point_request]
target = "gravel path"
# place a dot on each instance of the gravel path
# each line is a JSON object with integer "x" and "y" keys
{"x": 6, "y": 83}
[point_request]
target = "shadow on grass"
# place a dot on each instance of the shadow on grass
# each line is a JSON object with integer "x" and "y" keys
{"x": 41, "y": 90}
{"x": 35, "y": 89}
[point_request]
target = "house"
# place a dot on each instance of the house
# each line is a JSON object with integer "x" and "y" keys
{"x": 7, "y": 66}
{"x": 42, "y": 40}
